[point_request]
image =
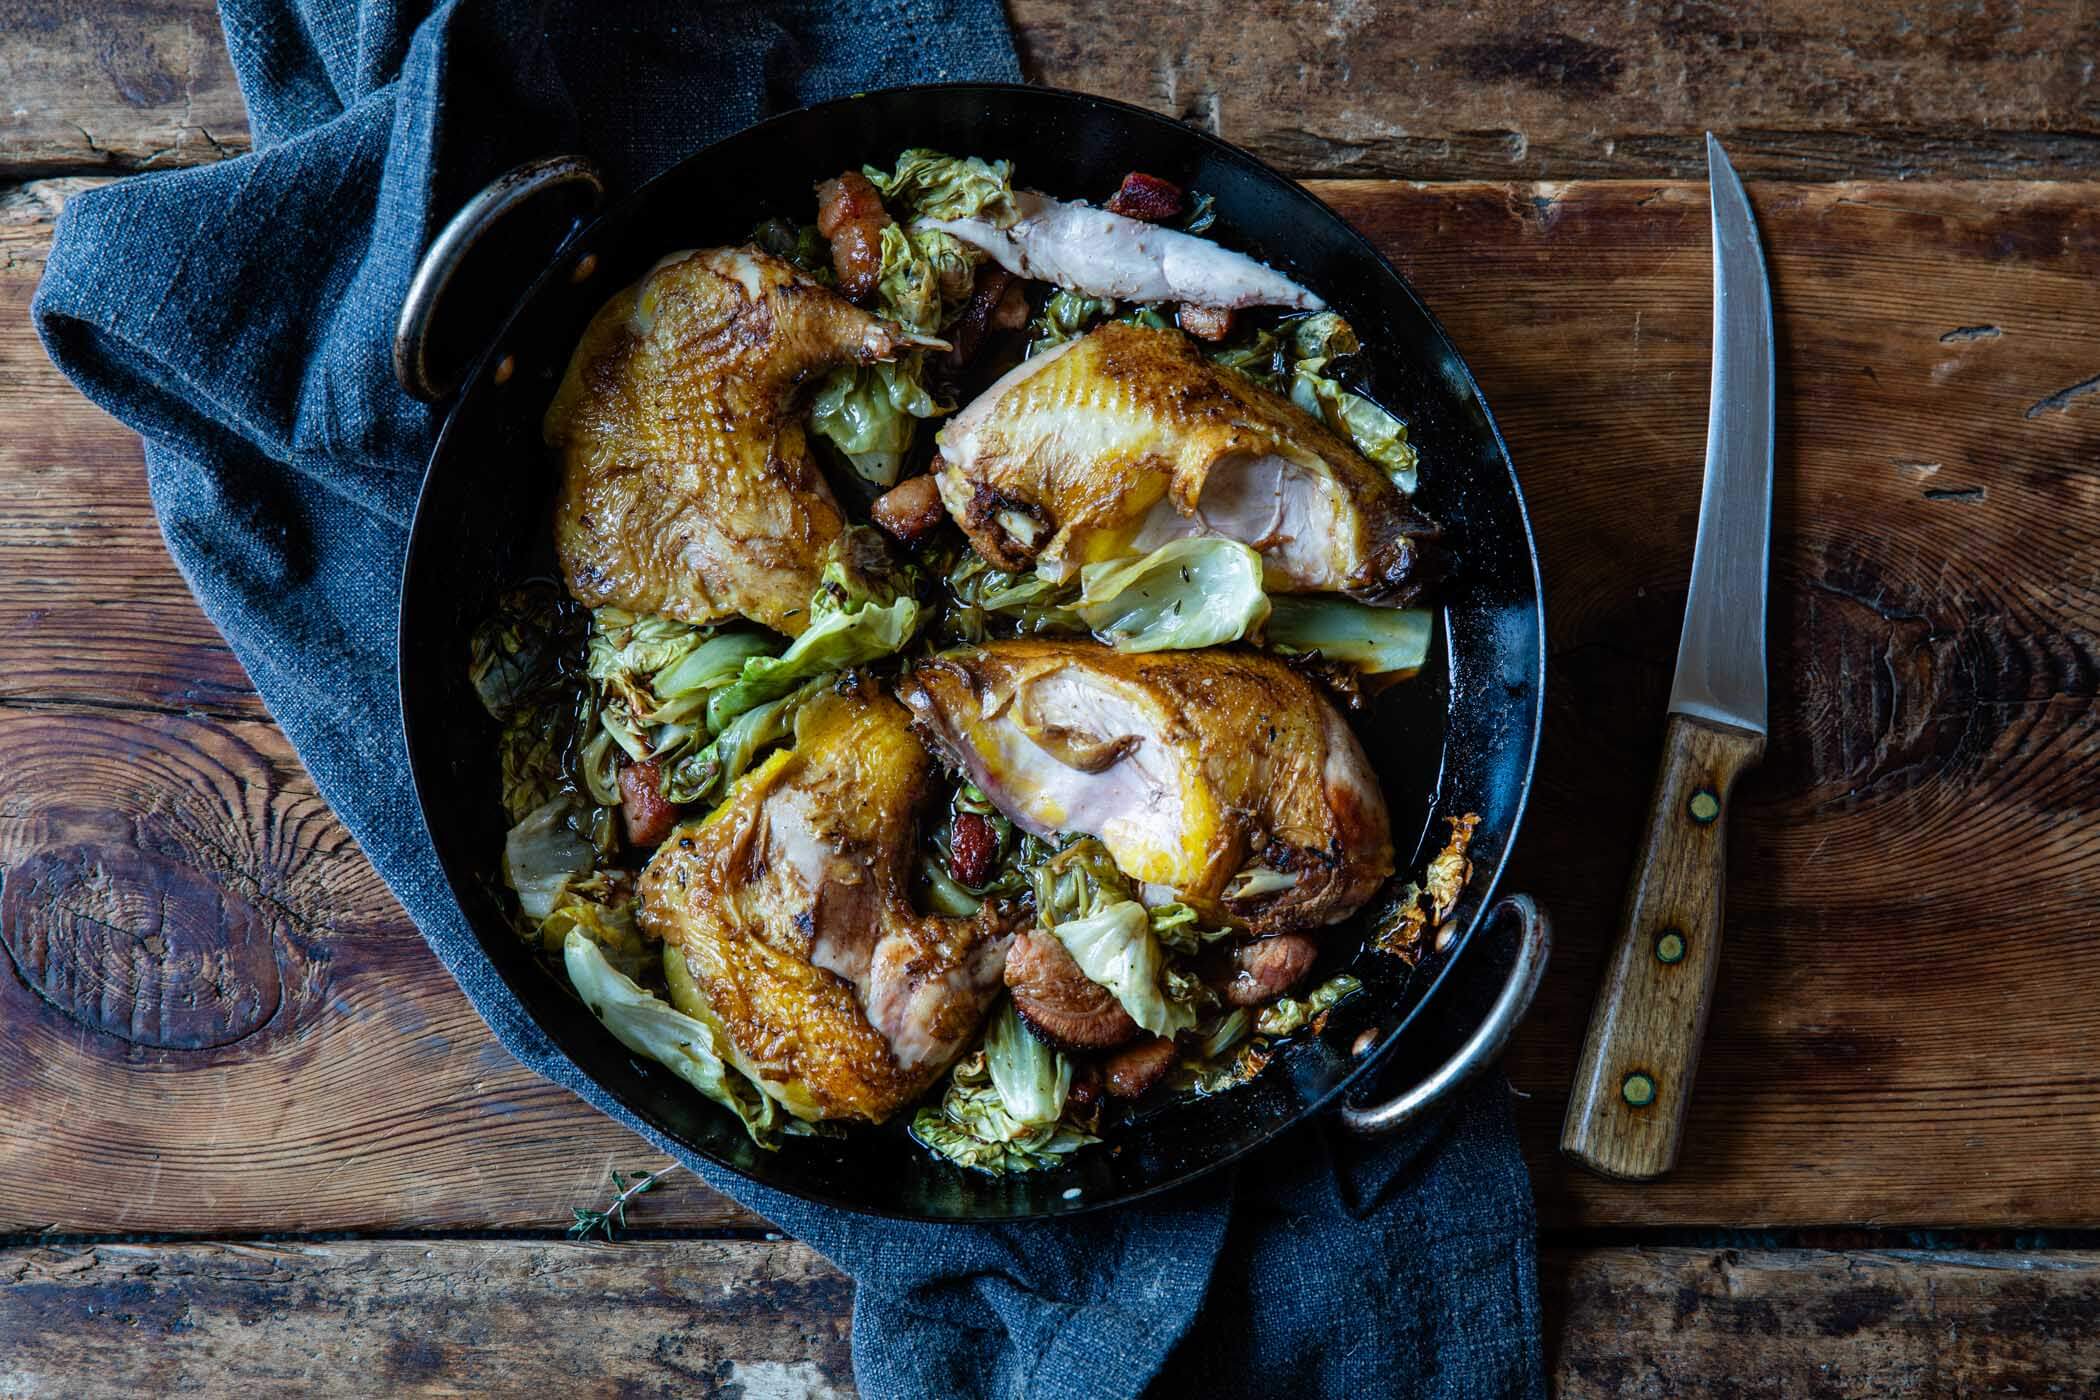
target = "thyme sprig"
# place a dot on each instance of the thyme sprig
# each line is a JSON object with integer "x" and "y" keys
{"x": 613, "y": 1218}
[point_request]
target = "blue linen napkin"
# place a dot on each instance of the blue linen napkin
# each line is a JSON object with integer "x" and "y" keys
{"x": 239, "y": 317}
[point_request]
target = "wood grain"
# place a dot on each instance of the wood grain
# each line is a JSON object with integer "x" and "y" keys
{"x": 1628, "y": 1324}
{"x": 414, "y": 1318}
{"x": 219, "y": 1019}
{"x": 1640, "y": 1057}
{"x": 116, "y": 85}
{"x": 1905, "y": 1023}
{"x": 1437, "y": 91}
{"x": 444, "y": 1317}
{"x": 1568, "y": 90}
{"x": 91, "y": 608}
{"x": 1904, "y": 1029}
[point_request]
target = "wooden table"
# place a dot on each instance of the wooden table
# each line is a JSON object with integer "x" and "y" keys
{"x": 332, "y": 1174}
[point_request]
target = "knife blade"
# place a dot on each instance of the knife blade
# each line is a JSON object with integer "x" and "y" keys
{"x": 1634, "y": 1080}
{"x": 1721, "y": 656}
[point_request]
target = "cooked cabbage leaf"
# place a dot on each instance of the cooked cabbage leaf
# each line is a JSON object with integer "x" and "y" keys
{"x": 1080, "y": 880}
{"x": 1377, "y": 434}
{"x": 521, "y": 661}
{"x": 681, "y": 689}
{"x": 545, "y": 851}
{"x": 1198, "y": 591}
{"x": 870, "y": 414}
{"x": 713, "y": 768}
{"x": 943, "y": 893}
{"x": 601, "y": 908}
{"x": 1287, "y": 1014}
{"x": 533, "y": 749}
{"x": 518, "y": 652}
{"x": 1116, "y": 949}
{"x": 652, "y": 1027}
{"x": 804, "y": 245}
{"x": 625, "y": 647}
{"x": 1067, "y": 315}
{"x": 1179, "y": 930}
{"x": 1323, "y": 336}
{"x": 1032, "y": 1079}
{"x": 1264, "y": 358}
{"x": 927, "y": 184}
{"x": 858, "y": 614}
{"x": 925, "y": 278}
{"x": 972, "y": 1127}
{"x": 1297, "y": 358}
{"x": 1376, "y": 641}
{"x": 1035, "y": 606}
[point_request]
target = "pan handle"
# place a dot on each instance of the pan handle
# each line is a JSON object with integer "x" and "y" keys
{"x": 1534, "y": 944}
{"x": 454, "y": 244}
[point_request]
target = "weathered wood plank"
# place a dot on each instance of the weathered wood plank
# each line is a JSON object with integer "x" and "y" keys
{"x": 1908, "y": 986}
{"x": 1906, "y": 980}
{"x": 91, "y": 607}
{"x": 1438, "y": 91}
{"x": 1571, "y": 90}
{"x": 1800, "y": 1323}
{"x": 175, "y": 898}
{"x": 218, "y": 1017}
{"x": 130, "y": 85}
{"x": 442, "y": 1317}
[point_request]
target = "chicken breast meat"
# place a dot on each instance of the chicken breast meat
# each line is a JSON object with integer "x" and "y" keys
{"x": 1222, "y": 778}
{"x": 1112, "y": 444}
{"x": 688, "y": 488}
{"x": 790, "y": 907}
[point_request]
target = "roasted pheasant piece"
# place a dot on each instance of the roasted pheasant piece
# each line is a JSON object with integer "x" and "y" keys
{"x": 1105, "y": 254}
{"x": 1117, "y": 442}
{"x": 790, "y": 905}
{"x": 1223, "y": 777}
{"x": 687, "y": 484}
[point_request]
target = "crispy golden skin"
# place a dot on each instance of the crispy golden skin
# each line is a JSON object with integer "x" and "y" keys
{"x": 790, "y": 904}
{"x": 687, "y": 484}
{"x": 1128, "y": 437}
{"x": 1191, "y": 767}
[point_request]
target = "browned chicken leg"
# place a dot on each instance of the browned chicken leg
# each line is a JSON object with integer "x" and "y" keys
{"x": 687, "y": 484}
{"x": 790, "y": 905}
{"x": 1115, "y": 443}
{"x": 1221, "y": 776}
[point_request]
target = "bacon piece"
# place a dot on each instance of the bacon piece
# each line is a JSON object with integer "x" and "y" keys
{"x": 647, "y": 814}
{"x": 850, "y": 214}
{"x": 1146, "y": 197}
{"x": 911, "y": 508}
{"x": 1212, "y": 323}
{"x": 1012, "y": 311}
{"x": 985, "y": 299}
{"x": 972, "y": 848}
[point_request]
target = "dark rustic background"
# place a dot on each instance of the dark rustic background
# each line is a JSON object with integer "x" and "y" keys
{"x": 324, "y": 1172}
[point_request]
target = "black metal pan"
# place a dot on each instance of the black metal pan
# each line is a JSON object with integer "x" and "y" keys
{"x": 1458, "y": 739}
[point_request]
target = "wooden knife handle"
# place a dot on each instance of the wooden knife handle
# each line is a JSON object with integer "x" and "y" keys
{"x": 1635, "y": 1076}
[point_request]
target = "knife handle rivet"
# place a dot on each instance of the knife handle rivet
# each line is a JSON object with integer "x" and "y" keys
{"x": 1705, "y": 806}
{"x": 1638, "y": 1090}
{"x": 1669, "y": 947}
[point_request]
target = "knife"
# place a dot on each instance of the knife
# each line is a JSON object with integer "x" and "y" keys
{"x": 1626, "y": 1116}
